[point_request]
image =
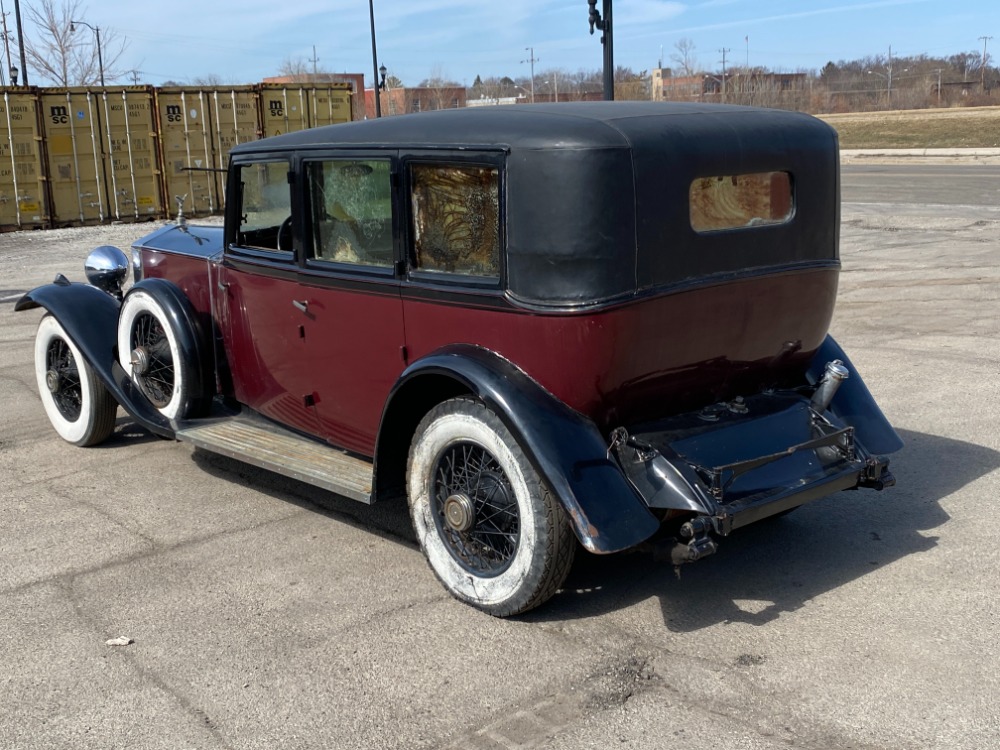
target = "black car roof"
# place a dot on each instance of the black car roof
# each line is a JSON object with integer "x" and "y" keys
{"x": 565, "y": 125}
{"x": 597, "y": 193}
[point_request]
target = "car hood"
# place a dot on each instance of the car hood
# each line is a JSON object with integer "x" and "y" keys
{"x": 187, "y": 239}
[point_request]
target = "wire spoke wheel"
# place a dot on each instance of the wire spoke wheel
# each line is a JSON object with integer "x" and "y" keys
{"x": 77, "y": 404}
{"x": 158, "y": 348}
{"x": 475, "y": 509}
{"x": 63, "y": 379}
{"x": 487, "y": 523}
{"x": 152, "y": 360}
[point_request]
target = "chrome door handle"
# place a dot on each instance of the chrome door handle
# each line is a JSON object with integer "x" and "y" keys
{"x": 301, "y": 304}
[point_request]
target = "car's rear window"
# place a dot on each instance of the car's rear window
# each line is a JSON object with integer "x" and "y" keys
{"x": 740, "y": 201}
{"x": 456, "y": 219}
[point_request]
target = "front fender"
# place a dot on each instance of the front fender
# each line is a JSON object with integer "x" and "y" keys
{"x": 90, "y": 317}
{"x": 565, "y": 447}
{"x": 854, "y": 403}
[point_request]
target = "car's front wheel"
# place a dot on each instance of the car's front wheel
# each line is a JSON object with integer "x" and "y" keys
{"x": 489, "y": 526}
{"x": 76, "y": 402}
{"x": 149, "y": 350}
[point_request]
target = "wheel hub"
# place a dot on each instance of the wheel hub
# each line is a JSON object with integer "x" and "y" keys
{"x": 139, "y": 359}
{"x": 459, "y": 512}
{"x": 52, "y": 381}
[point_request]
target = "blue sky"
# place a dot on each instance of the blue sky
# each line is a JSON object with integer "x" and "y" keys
{"x": 245, "y": 41}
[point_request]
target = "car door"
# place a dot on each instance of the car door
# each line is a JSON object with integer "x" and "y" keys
{"x": 262, "y": 310}
{"x": 350, "y": 284}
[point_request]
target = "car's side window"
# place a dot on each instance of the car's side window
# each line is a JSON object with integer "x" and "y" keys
{"x": 456, "y": 218}
{"x": 351, "y": 211}
{"x": 265, "y": 207}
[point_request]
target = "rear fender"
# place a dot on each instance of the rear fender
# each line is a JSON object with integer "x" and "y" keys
{"x": 853, "y": 402}
{"x": 90, "y": 318}
{"x": 565, "y": 447}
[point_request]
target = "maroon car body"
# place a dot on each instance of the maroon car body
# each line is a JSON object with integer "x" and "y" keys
{"x": 634, "y": 299}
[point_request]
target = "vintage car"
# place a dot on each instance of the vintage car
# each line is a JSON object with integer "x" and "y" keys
{"x": 600, "y": 324}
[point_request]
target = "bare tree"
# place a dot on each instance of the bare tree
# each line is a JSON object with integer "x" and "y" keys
{"x": 684, "y": 57}
{"x": 295, "y": 68}
{"x": 68, "y": 58}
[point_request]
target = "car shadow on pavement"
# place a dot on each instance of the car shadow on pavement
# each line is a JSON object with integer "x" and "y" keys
{"x": 779, "y": 565}
{"x": 389, "y": 519}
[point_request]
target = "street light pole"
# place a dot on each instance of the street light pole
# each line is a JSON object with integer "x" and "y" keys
{"x": 97, "y": 31}
{"x": 604, "y": 24}
{"x": 376, "y": 92}
{"x": 20, "y": 40}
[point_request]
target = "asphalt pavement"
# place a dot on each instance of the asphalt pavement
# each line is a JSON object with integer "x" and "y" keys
{"x": 266, "y": 614}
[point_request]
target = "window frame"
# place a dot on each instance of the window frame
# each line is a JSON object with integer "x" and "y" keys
{"x": 325, "y": 267}
{"x": 234, "y": 210}
{"x": 491, "y": 159}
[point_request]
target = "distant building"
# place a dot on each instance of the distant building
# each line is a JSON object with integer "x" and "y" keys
{"x": 739, "y": 83}
{"x": 404, "y": 100}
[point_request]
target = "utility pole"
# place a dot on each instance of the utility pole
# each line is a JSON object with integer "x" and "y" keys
{"x": 724, "y": 51}
{"x": 314, "y": 61}
{"x": 938, "y": 71}
{"x": 531, "y": 59}
{"x": 6, "y": 35}
{"x": 888, "y": 93}
{"x": 984, "y": 39}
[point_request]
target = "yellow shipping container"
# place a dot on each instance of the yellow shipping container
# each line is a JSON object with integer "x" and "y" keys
{"x": 284, "y": 108}
{"x": 235, "y": 119}
{"x": 73, "y": 156}
{"x": 129, "y": 142}
{"x": 186, "y": 146}
{"x": 329, "y": 104}
{"x": 23, "y": 203}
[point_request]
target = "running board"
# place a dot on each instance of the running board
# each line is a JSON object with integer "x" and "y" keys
{"x": 278, "y": 450}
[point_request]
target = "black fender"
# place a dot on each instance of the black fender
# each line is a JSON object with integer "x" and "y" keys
{"x": 90, "y": 317}
{"x": 191, "y": 339}
{"x": 565, "y": 447}
{"x": 853, "y": 402}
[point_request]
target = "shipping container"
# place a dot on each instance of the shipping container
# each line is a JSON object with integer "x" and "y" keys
{"x": 235, "y": 119}
{"x": 23, "y": 202}
{"x": 329, "y": 104}
{"x": 129, "y": 140}
{"x": 72, "y": 156}
{"x": 284, "y": 108}
{"x": 186, "y": 148}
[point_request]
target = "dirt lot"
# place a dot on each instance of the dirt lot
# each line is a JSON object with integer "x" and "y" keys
{"x": 977, "y": 127}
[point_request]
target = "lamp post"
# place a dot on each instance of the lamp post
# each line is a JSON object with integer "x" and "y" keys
{"x": 375, "y": 86}
{"x": 20, "y": 40}
{"x": 604, "y": 24}
{"x": 380, "y": 87}
{"x": 97, "y": 31}
{"x": 13, "y": 75}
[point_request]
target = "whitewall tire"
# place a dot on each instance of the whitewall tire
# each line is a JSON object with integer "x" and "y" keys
{"x": 148, "y": 350}
{"x": 489, "y": 526}
{"x": 76, "y": 402}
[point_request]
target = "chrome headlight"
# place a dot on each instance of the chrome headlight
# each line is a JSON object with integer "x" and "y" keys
{"x": 106, "y": 268}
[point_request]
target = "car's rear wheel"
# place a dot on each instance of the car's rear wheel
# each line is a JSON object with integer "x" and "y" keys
{"x": 76, "y": 402}
{"x": 489, "y": 526}
{"x": 149, "y": 351}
